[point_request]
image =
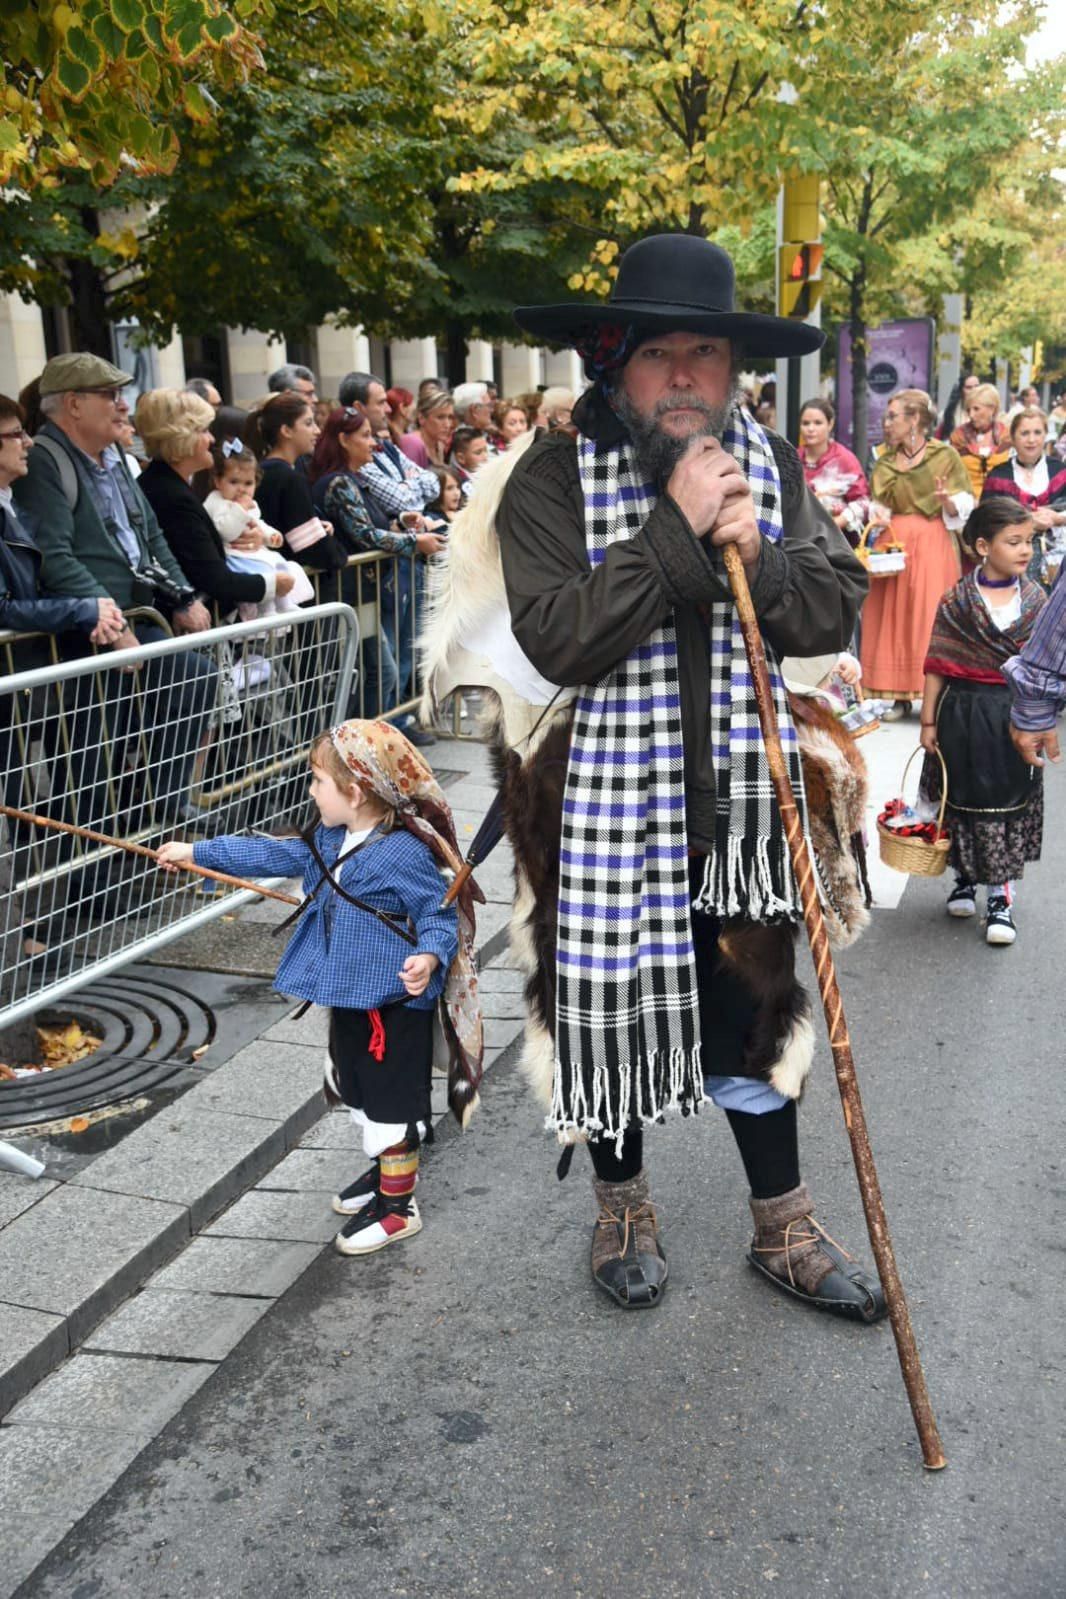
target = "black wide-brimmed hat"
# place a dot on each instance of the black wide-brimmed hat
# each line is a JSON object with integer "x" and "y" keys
{"x": 672, "y": 282}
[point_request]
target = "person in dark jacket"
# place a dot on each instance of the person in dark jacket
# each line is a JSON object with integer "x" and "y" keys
{"x": 666, "y": 966}
{"x": 24, "y": 609}
{"x": 175, "y": 428}
{"x": 282, "y": 432}
{"x": 99, "y": 538}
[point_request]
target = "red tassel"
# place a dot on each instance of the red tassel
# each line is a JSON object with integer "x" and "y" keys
{"x": 377, "y": 1035}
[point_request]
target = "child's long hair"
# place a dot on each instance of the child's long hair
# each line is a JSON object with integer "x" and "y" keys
{"x": 444, "y": 476}
{"x": 992, "y": 515}
{"x": 325, "y": 755}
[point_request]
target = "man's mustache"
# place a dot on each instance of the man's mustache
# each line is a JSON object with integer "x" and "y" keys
{"x": 682, "y": 402}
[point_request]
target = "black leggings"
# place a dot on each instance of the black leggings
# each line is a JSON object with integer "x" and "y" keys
{"x": 768, "y": 1144}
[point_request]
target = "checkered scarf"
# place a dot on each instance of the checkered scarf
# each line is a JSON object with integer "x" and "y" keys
{"x": 627, "y": 1017}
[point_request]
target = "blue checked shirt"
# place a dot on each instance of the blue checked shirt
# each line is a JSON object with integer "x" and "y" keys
{"x": 396, "y": 484}
{"x": 339, "y": 955}
{"x": 1037, "y": 676}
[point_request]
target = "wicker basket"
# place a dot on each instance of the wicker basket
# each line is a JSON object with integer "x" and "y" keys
{"x": 916, "y": 856}
{"x": 880, "y": 563}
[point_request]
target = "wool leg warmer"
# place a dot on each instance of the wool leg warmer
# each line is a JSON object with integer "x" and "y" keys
{"x": 399, "y": 1170}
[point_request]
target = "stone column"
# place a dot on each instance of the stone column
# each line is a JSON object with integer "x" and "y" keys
{"x": 562, "y": 369}
{"x": 22, "y": 351}
{"x": 521, "y": 369}
{"x": 479, "y": 362}
{"x": 170, "y": 364}
{"x": 340, "y": 350}
{"x": 252, "y": 358}
{"x": 412, "y": 360}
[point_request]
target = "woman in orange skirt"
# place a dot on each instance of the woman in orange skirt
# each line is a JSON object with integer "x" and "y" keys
{"x": 922, "y": 492}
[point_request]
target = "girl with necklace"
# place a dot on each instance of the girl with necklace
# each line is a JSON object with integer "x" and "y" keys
{"x": 995, "y": 803}
{"x": 922, "y": 496}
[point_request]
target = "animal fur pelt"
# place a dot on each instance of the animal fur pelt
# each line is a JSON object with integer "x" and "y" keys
{"x": 468, "y": 590}
{"x": 835, "y": 778}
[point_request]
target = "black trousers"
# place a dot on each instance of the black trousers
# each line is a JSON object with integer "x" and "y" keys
{"x": 768, "y": 1144}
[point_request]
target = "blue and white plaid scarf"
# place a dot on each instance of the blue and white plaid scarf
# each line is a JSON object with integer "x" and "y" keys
{"x": 627, "y": 1014}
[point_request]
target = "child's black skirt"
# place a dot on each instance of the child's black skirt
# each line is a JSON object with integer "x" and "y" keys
{"x": 396, "y": 1088}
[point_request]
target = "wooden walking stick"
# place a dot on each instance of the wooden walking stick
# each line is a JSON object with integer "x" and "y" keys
{"x": 141, "y": 849}
{"x": 840, "y": 1042}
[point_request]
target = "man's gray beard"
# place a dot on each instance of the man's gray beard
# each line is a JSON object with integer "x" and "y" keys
{"x": 658, "y": 452}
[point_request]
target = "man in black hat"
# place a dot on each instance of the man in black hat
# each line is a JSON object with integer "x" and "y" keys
{"x": 664, "y": 946}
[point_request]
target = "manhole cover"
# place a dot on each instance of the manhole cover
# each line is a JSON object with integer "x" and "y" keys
{"x": 152, "y": 1027}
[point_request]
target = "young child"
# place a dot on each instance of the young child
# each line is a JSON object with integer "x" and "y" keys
{"x": 384, "y": 830}
{"x": 442, "y": 510}
{"x": 470, "y": 451}
{"x": 995, "y": 805}
{"x": 232, "y": 508}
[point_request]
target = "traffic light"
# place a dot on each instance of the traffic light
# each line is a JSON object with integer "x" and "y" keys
{"x": 800, "y": 278}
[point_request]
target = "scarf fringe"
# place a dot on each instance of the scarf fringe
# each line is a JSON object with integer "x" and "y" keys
{"x": 603, "y": 1102}
{"x": 754, "y": 882}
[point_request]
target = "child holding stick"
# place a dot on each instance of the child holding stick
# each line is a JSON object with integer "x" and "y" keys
{"x": 385, "y": 830}
{"x": 995, "y": 802}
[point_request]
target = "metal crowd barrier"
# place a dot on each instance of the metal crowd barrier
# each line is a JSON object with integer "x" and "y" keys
{"x": 205, "y": 732}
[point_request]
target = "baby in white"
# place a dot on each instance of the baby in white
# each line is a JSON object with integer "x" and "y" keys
{"x": 232, "y": 508}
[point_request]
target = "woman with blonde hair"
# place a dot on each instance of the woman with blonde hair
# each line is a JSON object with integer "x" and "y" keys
{"x": 429, "y": 444}
{"x": 983, "y": 440}
{"x": 922, "y": 497}
{"x": 175, "y": 428}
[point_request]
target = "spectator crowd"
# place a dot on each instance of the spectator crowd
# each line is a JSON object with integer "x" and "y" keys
{"x": 196, "y": 512}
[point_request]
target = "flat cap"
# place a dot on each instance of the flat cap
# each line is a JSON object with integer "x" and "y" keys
{"x": 81, "y": 370}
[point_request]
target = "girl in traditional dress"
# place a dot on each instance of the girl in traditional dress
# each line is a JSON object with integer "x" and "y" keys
{"x": 374, "y": 945}
{"x": 833, "y": 474}
{"x": 922, "y": 495}
{"x": 995, "y": 801}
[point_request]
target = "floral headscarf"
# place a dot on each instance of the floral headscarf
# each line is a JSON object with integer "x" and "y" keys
{"x": 382, "y": 760}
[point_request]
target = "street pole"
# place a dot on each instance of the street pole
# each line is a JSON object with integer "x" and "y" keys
{"x": 798, "y": 291}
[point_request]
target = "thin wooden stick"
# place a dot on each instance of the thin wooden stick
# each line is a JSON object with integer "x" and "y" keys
{"x": 840, "y": 1042}
{"x": 149, "y": 854}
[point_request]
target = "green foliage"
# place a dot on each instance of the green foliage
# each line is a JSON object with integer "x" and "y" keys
{"x": 91, "y": 87}
{"x": 323, "y": 188}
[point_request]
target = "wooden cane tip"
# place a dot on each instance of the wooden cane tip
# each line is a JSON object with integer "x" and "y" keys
{"x": 935, "y": 1465}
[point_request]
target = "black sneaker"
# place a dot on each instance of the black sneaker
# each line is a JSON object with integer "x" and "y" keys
{"x": 351, "y": 1200}
{"x": 999, "y": 923}
{"x": 962, "y": 901}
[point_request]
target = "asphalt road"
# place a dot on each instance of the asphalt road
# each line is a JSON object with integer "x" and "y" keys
{"x": 465, "y": 1415}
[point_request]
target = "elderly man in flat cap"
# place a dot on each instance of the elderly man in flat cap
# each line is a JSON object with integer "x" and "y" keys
{"x": 99, "y": 537}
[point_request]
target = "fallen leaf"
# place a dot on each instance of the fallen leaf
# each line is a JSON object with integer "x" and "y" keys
{"x": 79, "y": 1124}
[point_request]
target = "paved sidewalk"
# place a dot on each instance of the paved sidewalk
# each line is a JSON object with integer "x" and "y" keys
{"x": 79, "y": 1242}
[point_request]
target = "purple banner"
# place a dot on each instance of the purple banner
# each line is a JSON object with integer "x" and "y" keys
{"x": 900, "y": 357}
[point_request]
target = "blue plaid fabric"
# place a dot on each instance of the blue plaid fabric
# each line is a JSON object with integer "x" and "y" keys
{"x": 338, "y": 955}
{"x": 1037, "y": 676}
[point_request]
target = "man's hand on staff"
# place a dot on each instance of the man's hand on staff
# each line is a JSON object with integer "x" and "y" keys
{"x": 713, "y": 495}
{"x": 1033, "y": 746}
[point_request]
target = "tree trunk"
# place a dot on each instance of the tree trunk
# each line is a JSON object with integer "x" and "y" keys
{"x": 457, "y": 351}
{"x": 90, "y": 323}
{"x": 860, "y": 393}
